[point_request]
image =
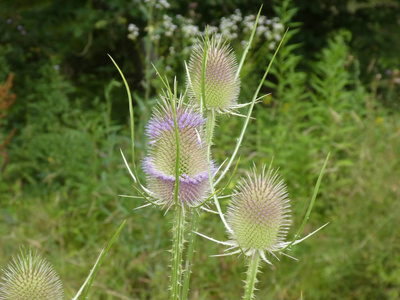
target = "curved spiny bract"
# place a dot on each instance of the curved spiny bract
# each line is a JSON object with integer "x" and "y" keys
{"x": 160, "y": 163}
{"x": 29, "y": 276}
{"x": 221, "y": 84}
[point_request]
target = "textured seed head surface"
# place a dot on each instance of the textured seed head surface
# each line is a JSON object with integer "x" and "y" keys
{"x": 221, "y": 85}
{"x": 29, "y": 276}
{"x": 160, "y": 163}
{"x": 259, "y": 213}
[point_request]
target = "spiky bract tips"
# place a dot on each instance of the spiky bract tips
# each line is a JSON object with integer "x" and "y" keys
{"x": 30, "y": 276}
{"x": 221, "y": 84}
{"x": 160, "y": 163}
{"x": 259, "y": 213}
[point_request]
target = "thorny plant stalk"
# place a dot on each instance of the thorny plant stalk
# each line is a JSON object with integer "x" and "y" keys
{"x": 179, "y": 219}
{"x": 177, "y": 249}
{"x": 190, "y": 253}
{"x": 195, "y": 216}
{"x": 251, "y": 278}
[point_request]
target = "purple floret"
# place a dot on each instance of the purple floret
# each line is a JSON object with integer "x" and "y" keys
{"x": 185, "y": 119}
{"x": 192, "y": 189}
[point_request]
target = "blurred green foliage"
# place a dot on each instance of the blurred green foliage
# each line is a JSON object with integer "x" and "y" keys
{"x": 335, "y": 87}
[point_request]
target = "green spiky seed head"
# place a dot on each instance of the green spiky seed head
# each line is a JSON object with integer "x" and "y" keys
{"x": 29, "y": 276}
{"x": 221, "y": 83}
{"x": 259, "y": 213}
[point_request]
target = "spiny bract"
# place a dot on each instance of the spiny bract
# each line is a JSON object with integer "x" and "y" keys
{"x": 160, "y": 163}
{"x": 259, "y": 213}
{"x": 29, "y": 276}
{"x": 222, "y": 85}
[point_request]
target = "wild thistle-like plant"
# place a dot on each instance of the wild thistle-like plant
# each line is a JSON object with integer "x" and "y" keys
{"x": 177, "y": 168}
{"x": 182, "y": 177}
{"x": 258, "y": 220}
{"x": 30, "y": 276}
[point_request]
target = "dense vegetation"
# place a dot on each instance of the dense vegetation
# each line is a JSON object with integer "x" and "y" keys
{"x": 335, "y": 87}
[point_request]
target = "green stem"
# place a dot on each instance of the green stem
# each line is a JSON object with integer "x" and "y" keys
{"x": 248, "y": 44}
{"x": 251, "y": 279}
{"x": 177, "y": 249}
{"x": 132, "y": 119}
{"x": 190, "y": 254}
{"x": 209, "y": 133}
{"x": 210, "y": 124}
{"x": 179, "y": 218}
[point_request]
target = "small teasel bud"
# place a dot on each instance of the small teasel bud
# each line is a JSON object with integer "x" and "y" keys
{"x": 259, "y": 213}
{"x": 221, "y": 83}
{"x": 160, "y": 164}
{"x": 30, "y": 276}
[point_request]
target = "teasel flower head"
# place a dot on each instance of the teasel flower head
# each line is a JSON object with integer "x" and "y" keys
{"x": 259, "y": 213}
{"x": 258, "y": 217}
{"x": 160, "y": 163}
{"x": 221, "y": 82}
{"x": 30, "y": 276}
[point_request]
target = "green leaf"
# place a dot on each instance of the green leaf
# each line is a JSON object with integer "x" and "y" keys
{"x": 92, "y": 275}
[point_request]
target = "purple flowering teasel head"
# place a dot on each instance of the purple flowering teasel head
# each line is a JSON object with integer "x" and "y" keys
{"x": 160, "y": 163}
{"x": 222, "y": 85}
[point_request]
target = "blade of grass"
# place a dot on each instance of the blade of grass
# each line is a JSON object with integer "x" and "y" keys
{"x": 311, "y": 205}
{"x": 130, "y": 112}
{"x": 246, "y": 50}
{"x": 92, "y": 275}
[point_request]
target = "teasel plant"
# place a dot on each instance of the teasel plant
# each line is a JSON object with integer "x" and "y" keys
{"x": 178, "y": 168}
{"x": 213, "y": 79}
{"x": 180, "y": 173}
{"x": 258, "y": 221}
{"x": 30, "y": 276}
{"x": 258, "y": 217}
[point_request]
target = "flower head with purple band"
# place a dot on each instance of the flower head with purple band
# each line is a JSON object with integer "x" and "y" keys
{"x": 222, "y": 85}
{"x": 160, "y": 163}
